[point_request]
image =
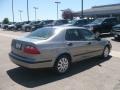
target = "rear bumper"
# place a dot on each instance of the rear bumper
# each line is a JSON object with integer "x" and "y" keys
{"x": 30, "y": 64}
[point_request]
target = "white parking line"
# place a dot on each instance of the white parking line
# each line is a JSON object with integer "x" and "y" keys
{"x": 8, "y": 35}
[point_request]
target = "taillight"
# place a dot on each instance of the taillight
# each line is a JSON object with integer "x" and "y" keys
{"x": 31, "y": 50}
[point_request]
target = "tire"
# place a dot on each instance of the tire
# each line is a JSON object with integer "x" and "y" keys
{"x": 106, "y": 52}
{"x": 111, "y": 32}
{"x": 27, "y": 29}
{"x": 62, "y": 64}
{"x": 97, "y": 34}
{"x": 116, "y": 38}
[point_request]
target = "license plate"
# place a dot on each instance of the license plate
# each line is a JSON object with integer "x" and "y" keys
{"x": 18, "y": 46}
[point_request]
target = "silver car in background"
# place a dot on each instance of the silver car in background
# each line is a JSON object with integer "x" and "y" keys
{"x": 57, "y": 47}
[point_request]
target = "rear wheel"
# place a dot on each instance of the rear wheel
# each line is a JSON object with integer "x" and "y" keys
{"x": 62, "y": 64}
{"x": 115, "y": 38}
{"x": 27, "y": 29}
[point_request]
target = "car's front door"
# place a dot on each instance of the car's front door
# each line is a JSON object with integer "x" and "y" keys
{"x": 94, "y": 47}
{"x": 76, "y": 45}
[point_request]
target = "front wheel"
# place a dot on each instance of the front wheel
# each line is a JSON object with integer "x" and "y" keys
{"x": 62, "y": 64}
{"x": 106, "y": 52}
{"x": 97, "y": 34}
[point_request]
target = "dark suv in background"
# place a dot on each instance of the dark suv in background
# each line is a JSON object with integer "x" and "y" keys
{"x": 79, "y": 22}
{"x": 102, "y": 25}
{"x": 116, "y": 31}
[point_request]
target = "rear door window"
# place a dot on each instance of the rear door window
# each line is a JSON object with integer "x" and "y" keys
{"x": 73, "y": 35}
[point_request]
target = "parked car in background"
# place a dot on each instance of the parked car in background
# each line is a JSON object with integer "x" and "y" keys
{"x": 30, "y": 26}
{"x": 11, "y": 26}
{"x": 4, "y": 26}
{"x": 116, "y": 31}
{"x": 25, "y": 26}
{"x": 78, "y": 23}
{"x": 67, "y": 44}
{"x": 58, "y": 23}
{"x": 102, "y": 25}
{"x": 18, "y": 25}
{"x": 43, "y": 23}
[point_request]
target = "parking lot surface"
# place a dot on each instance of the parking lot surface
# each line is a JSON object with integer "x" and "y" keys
{"x": 92, "y": 74}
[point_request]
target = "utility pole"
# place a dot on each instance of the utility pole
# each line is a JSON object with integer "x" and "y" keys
{"x": 57, "y": 8}
{"x": 35, "y": 12}
{"x": 82, "y": 9}
{"x": 28, "y": 10}
{"x": 20, "y": 11}
{"x": 13, "y": 10}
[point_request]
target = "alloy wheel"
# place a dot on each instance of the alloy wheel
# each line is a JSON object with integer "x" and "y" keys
{"x": 106, "y": 52}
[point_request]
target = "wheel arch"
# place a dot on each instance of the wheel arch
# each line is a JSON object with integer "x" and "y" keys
{"x": 63, "y": 54}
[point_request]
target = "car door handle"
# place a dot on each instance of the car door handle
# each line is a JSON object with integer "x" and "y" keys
{"x": 70, "y": 44}
{"x": 89, "y": 43}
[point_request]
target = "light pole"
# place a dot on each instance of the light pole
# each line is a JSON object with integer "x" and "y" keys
{"x": 35, "y": 12}
{"x": 57, "y": 7}
{"x": 27, "y": 10}
{"x": 13, "y": 10}
{"x": 20, "y": 11}
{"x": 82, "y": 9}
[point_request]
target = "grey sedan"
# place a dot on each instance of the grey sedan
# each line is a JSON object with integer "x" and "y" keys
{"x": 57, "y": 47}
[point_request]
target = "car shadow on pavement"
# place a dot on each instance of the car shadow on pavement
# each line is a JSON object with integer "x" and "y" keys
{"x": 31, "y": 79}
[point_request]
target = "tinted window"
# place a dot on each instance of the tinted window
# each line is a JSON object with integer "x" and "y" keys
{"x": 87, "y": 35}
{"x": 80, "y": 22}
{"x": 43, "y": 33}
{"x": 111, "y": 21}
{"x": 60, "y": 22}
{"x": 73, "y": 35}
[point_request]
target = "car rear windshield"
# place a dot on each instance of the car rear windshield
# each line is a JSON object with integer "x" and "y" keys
{"x": 43, "y": 33}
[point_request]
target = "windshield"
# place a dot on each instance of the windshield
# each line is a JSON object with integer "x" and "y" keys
{"x": 43, "y": 33}
{"x": 98, "y": 21}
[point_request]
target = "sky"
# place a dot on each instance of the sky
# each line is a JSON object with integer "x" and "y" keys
{"x": 47, "y": 8}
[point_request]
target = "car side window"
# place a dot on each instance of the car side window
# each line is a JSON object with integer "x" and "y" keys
{"x": 73, "y": 35}
{"x": 87, "y": 34}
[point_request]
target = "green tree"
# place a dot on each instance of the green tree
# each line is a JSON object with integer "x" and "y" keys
{"x": 5, "y": 21}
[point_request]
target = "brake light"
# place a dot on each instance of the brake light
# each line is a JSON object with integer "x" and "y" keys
{"x": 31, "y": 50}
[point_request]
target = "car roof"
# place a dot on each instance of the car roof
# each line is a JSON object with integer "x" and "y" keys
{"x": 107, "y": 18}
{"x": 66, "y": 27}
